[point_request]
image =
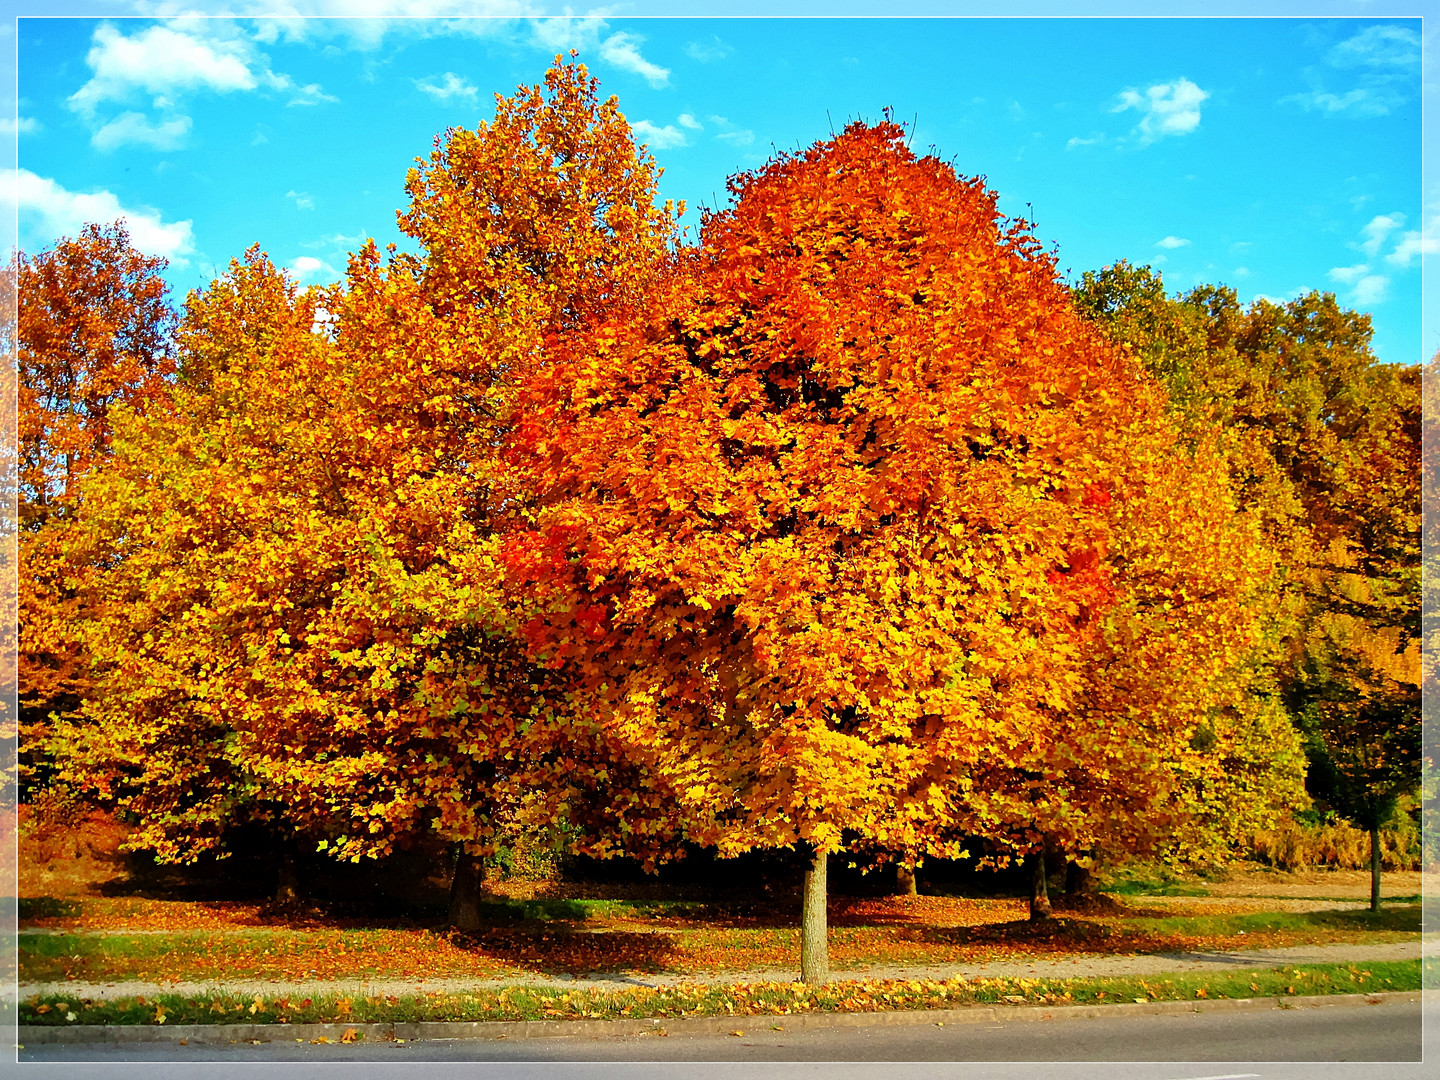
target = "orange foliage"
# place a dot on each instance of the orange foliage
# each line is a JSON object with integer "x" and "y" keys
{"x": 843, "y": 528}
{"x": 863, "y": 535}
{"x": 93, "y": 329}
{"x": 302, "y": 622}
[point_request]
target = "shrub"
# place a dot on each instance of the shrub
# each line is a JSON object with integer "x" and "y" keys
{"x": 1295, "y": 844}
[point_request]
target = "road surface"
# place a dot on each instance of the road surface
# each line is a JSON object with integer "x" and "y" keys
{"x": 1279, "y": 1039}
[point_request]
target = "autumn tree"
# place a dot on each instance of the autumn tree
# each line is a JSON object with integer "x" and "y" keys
{"x": 93, "y": 331}
{"x": 1322, "y": 445}
{"x": 304, "y": 623}
{"x": 830, "y": 534}
{"x": 1430, "y": 585}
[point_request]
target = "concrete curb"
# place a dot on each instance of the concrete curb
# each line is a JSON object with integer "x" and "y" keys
{"x": 697, "y": 1025}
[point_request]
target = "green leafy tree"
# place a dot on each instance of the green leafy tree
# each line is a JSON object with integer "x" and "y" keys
{"x": 1323, "y": 444}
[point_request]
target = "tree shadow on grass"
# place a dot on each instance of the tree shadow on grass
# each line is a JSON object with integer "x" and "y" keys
{"x": 1058, "y": 935}
{"x": 1053, "y": 932}
{"x": 48, "y": 907}
{"x": 559, "y": 950}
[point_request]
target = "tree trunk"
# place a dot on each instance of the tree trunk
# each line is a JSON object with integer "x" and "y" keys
{"x": 1374, "y": 868}
{"x": 287, "y": 887}
{"x": 1079, "y": 881}
{"x": 1055, "y": 858}
{"x": 466, "y": 890}
{"x": 905, "y": 880}
{"x": 1039, "y": 890}
{"x": 814, "y": 954}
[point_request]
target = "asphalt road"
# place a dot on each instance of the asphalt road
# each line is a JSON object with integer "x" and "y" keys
{"x": 1240, "y": 1045}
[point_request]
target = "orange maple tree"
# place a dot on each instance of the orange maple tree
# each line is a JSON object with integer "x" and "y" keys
{"x": 834, "y": 537}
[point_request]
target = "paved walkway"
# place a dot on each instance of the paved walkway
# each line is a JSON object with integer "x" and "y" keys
{"x": 1082, "y": 966}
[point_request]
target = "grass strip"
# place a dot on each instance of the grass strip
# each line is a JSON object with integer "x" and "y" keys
{"x": 1399, "y": 918}
{"x": 744, "y": 999}
{"x": 556, "y": 947}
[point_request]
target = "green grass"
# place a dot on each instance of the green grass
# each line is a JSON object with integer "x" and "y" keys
{"x": 50, "y": 956}
{"x": 1156, "y": 888}
{"x": 581, "y": 910}
{"x": 756, "y": 999}
{"x": 1145, "y": 880}
{"x": 1396, "y": 918}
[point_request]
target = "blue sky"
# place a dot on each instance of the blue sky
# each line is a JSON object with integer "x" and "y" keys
{"x": 1272, "y": 155}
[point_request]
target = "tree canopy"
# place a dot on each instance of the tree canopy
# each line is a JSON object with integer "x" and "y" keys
{"x": 1324, "y": 449}
{"x": 849, "y": 526}
{"x": 864, "y": 536}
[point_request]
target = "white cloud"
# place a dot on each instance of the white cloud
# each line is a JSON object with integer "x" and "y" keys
{"x": 359, "y": 24}
{"x": 739, "y": 137}
{"x": 1281, "y": 301}
{"x": 1358, "y": 102}
{"x": 302, "y": 200}
{"x": 134, "y": 129}
{"x": 1365, "y": 287}
{"x": 1385, "y": 60}
{"x": 1414, "y": 243}
{"x": 731, "y": 134}
{"x": 453, "y": 86}
{"x": 1091, "y": 141}
{"x": 1241, "y": 271}
{"x": 338, "y": 240}
{"x": 557, "y": 35}
{"x": 309, "y": 94}
{"x": 708, "y": 51}
{"x": 1406, "y": 245}
{"x": 22, "y": 125}
{"x": 1172, "y": 242}
{"x": 688, "y": 121}
{"x": 668, "y": 137}
{"x": 158, "y": 60}
{"x": 1371, "y": 289}
{"x": 623, "y": 50}
{"x": 1167, "y": 109}
{"x": 561, "y": 35}
{"x": 48, "y": 211}
{"x": 1349, "y": 275}
{"x": 1378, "y": 46}
{"x": 307, "y": 266}
{"x": 165, "y": 63}
{"x": 1379, "y": 227}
